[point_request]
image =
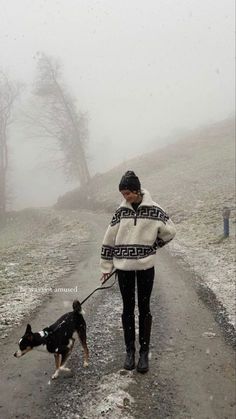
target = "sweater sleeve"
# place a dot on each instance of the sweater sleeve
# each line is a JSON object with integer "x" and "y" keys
{"x": 108, "y": 244}
{"x": 166, "y": 230}
{"x": 166, "y": 233}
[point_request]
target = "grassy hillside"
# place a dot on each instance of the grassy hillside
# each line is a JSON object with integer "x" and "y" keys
{"x": 180, "y": 176}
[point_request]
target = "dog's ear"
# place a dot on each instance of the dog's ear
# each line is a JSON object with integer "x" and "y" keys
{"x": 28, "y": 329}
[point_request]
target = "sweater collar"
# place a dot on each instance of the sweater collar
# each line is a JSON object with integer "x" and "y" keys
{"x": 146, "y": 202}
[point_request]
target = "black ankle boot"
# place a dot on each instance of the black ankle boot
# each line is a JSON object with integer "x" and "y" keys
{"x": 129, "y": 360}
{"x": 129, "y": 335}
{"x": 145, "y": 324}
{"x": 143, "y": 365}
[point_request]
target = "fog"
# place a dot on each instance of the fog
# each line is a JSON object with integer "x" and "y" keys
{"x": 143, "y": 71}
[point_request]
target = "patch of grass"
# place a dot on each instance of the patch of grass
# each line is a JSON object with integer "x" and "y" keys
{"x": 221, "y": 239}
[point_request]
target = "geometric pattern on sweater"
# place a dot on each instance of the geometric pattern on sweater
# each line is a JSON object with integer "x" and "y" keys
{"x": 154, "y": 213}
{"x": 159, "y": 243}
{"x": 107, "y": 252}
{"x": 133, "y": 251}
{"x": 151, "y": 213}
{"x": 121, "y": 213}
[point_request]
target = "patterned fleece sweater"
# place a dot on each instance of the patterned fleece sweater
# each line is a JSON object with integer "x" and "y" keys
{"x": 132, "y": 237}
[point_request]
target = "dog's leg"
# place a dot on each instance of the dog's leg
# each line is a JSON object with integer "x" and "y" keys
{"x": 63, "y": 368}
{"x": 66, "y": 355}
{"x": 58, "y": 358}
{"x": 86, "y": 354}
{"x": 82, "y": 338}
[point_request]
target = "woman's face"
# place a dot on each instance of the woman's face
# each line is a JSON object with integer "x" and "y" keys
{"x": 130, "y": 196}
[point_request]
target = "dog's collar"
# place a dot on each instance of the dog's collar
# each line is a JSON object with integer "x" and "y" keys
{"x": 43, "y": 333}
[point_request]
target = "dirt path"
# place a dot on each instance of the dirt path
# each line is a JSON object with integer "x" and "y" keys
{"x": 192, "y": 368}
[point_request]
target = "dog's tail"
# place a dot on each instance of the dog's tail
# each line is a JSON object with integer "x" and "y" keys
{"x": 77, "y": 307}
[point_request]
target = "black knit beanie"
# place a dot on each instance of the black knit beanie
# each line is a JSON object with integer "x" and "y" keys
{"x": 130, "y": 181}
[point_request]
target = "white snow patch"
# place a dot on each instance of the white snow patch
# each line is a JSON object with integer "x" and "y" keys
{"x": 111, "y": 399}
{"x": 39, "y": 243}
{"x": 215, "y": 266}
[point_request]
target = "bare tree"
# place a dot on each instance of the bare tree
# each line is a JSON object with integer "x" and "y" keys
{"x": 8, "y": 94}
{"x": 57, "y": 118}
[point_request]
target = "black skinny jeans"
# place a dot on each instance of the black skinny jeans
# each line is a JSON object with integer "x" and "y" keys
{"x": 126, "y": 281}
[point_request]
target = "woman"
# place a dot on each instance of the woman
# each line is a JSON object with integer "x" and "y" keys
{"x": 138, "y": 227}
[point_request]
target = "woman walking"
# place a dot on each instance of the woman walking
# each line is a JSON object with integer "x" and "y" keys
{"x": 137, "y": 229}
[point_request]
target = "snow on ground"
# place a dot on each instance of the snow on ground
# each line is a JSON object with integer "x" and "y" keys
{"x": 96, "y": 392}
{"x": 36, "y": 251}
{"x": 109, "y": 399}
{"x": 213, "y": 264}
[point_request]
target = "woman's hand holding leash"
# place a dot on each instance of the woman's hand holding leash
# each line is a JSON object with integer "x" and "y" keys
{"x": 104, "y": 278}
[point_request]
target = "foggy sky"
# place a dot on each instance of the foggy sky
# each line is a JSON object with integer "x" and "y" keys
{"x": 143, "y": 70}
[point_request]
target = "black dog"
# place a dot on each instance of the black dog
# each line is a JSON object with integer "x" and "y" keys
{"x": 58, "y": 338}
